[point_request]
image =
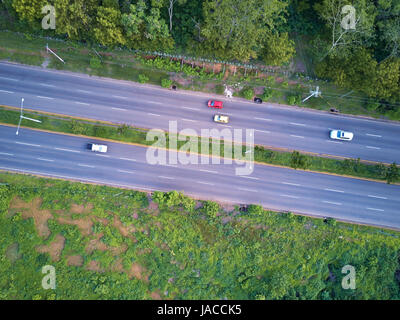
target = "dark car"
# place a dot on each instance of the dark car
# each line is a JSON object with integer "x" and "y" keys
{"x": 258, "y": 100}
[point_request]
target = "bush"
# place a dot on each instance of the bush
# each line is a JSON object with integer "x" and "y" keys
{"x": 255, "y": 209}
{"x": 267, "y": 94}
{"x": 95, "y": 63}
{"x": 77, "y": 127}
{"x": 166, "y": 83}
{"x": 211, "y": 209}
{"x": 123, "y": 129}
{"x": 298, "y": 160}
{"x": 248, "y": 94}
{"x": 392, "y": 173}
{"x": 143, "y": 78}
{"x": 293, "y": 99}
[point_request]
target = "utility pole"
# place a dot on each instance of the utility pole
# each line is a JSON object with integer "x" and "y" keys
{"x": 22, "y": 117}
{"x": 315, "y": 93}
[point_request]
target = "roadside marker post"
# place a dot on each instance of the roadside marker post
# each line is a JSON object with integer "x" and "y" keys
{"x": 22, "y": 117}
{"x": 51, "y": 51}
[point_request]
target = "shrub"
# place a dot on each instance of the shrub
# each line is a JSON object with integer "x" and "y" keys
{"x": 143, "y": 78}
{"x": 298, "y": 160}
{"x": 267, "y": 94}
{"x": 392, "y": 173}
{"x": 211, "y": 209}
{"x": 78, "y": 127}
{"x": 123, "y": 129}
{"x": 95, "y": 63}
{"x": 255, "y": 209}
{"x": 248, "y": 94}
{"x": 293, "y": 99}
{"x": 100, "y": 131}
{"x": 166, "y": 83}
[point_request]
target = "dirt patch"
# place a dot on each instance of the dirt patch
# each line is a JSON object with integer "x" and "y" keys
{"x": 54, "y": 249}
{"x": 81, "y": 209}
{"x": 126, "y": 231}
{"x": 155, "y": 295}
{"x": 138, "y": 272}
{"x": 118, "y": 266}
{"x": 76, "y": 260}
{"x": 84, "y": 225}
{"x": 96, "y": 244}
{"x": 116, "y": 251}
{"x": 12, "y": 252}
{"x": 153, "y": 205}
{"x": 32, "y": 210}
{"x": 94, "y": 266}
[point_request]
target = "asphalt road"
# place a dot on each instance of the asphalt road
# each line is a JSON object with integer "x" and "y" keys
{"x": 152, "y": 107}
{"x": 275, "y": 188}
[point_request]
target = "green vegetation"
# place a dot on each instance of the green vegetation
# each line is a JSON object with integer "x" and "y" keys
{"x": 109, "y": 243}
{"x": 125, "y": 133}
{"x": 143, "y": 78}
{"x": 288, "y": 41}
{"x": 166, "y": 83}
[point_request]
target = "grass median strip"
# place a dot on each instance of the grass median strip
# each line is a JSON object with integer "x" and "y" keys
{"x": 262, "y": 155}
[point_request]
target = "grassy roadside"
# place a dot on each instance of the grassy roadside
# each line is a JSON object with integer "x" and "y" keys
{"x": 349, "y": 167}
{"x": 125, "y": 65}
{"x": 112, "y": 243}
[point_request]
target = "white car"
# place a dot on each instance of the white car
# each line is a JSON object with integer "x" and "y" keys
{"x": 341, "y": 135}
{"x": 97, "y": 147}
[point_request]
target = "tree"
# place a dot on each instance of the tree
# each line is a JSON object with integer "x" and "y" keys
{"x": 145, "y": 27}
{"x": 355, "y": 70}
{"x": 108, "y": 30}
{"x": 392, "y": 173}
{"x": 342, "y": 38}
{"x": 278, "y": 49}
{"x": 171, "y": 4}
{"x": 388, "y": 29}
{"x": 29, "y": 10}
{"x": 387, "y": 80}
{"x": 75, "y": 17}
{"x": 235, "y": 29}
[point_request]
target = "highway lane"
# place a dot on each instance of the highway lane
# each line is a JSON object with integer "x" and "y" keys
{"x": 276, "y": 188}
{"x": 150, "y": 107}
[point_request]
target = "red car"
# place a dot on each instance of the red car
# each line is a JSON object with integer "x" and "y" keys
{"x": 215, "y": 104}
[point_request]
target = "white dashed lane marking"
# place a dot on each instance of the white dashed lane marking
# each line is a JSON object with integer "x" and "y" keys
{"x": 375, "y": 209}
{"x": 377, "y": 197}
{"x": 67, "y": 150}
{"x": 331, "y": 202}
{"x": 333, "y": 190}
{"x": 28, "y": 144}
{"x": 371, "y": 147}
{"x": 43, "y": 159}
{"x": 42, "y": 97}
{"x": 264, "y": 119}
{"x": 291, "y": 184}
{"x": 289, "y": 196}
{"x": 85, "y": 165}
{"x": 373, "y": 135}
